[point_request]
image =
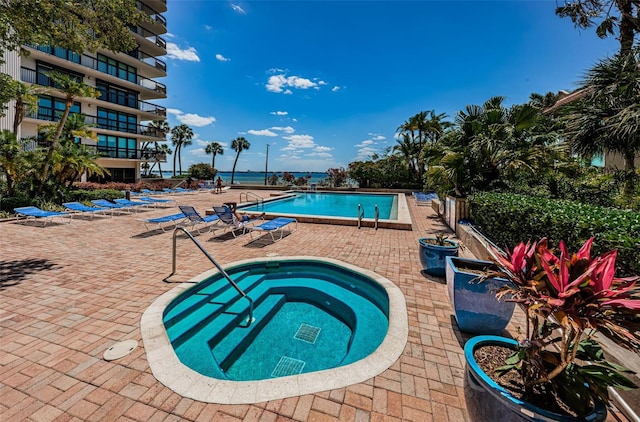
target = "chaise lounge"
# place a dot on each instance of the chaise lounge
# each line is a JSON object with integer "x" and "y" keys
{"x": 229, "y": 221}
{"x": 35, "y": 213}
{"x": 195, "y": 218}
{"x": 277, "y": 225}
{"x": 81, "y": 208}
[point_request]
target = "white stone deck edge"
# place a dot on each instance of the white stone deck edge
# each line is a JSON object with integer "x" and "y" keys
{"x": 168, "y": 369}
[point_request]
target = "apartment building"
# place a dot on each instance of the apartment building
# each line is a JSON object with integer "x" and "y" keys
{"x": 120, "y": 116}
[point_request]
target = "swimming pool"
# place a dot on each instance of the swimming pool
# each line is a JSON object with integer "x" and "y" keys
{"x": 337, "y": 208}
{"x": 319, "y": 324}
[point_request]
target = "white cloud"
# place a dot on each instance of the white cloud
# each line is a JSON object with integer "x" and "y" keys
{"x": 189, "y": 54}
{"x": 335, "y": 89}
{"x": 168, "y": 35}
{"x": 288, "y": 92}
{"x": 320, "y": 155}
{"x": 365, "y": 143}
{"x": 323, "y": 149}
{"x": 321, "y": 82}
{"x": 275, "y": 70}
{"x": 236, "y": 8}
{"x": 222, "y": 58}
{"x": 208, "y": 27}
{"x": 263, "y": 132}
{"x": 365, "y": 153}
{"x": 378, "y": 138}
{"x": 294, "y": 120}
{"x": 299, "y": 141}
{"x": 285, "y": 129}
{"x": 190, "y": 118}
{"x": 278, "y": 83}
{"x": 280, "y": 113}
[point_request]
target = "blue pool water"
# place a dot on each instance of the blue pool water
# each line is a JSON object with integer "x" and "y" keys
{"x": 308, "y": 316}
{"x": 332, "y": 204}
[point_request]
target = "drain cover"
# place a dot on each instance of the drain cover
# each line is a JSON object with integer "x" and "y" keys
{"x": 307, "y": 333}
{"x": 120, "y": 350}
{"x": 287, "y": 366}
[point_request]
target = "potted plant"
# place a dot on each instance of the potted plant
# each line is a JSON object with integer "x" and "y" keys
{"x": 476, "y": 308}
{"x": 433, "y": 251}
{"x": 557, "y": 371}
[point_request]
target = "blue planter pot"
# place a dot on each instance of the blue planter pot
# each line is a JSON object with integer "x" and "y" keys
{"x": 475, "y": 305}
{"x": 489, "y": 402}
{"x": 433, "y": 256}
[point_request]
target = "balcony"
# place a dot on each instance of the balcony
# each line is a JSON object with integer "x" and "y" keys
{"x": 31, "y": 76}
{"x": 150, "y": 60}
{"x": 130, "y": 154}
{"x": 157, "y": 23}
{"x": 158, "y": 88}
{"x": 47, "y": 114}
{"x": 159, "y": 5}
{"x": 152, "y": 43}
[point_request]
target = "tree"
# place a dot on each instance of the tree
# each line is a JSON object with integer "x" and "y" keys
{"x": 72, "y": 89}
{"x": 337, "y": 176}
{"x": 26, "y": 97}
{"x": 77, "y": 25}
{"x": 180, "y": 136}
{"x": 161, "y": 128}
{"x": 202, "y": 171}
{"x": 214, "y": 148}
{"x": 10, "y": 162}
{"x": 612, "y": 13}
{"x": 238, "y": 145}
{"x": 607, "y": 118}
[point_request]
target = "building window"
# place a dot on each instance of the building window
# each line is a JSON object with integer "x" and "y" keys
{"x": 43, "y": 68}
{"x": 51, "y": 108}
{"x": 117, "y": 147}
{"x": 63, "y": 53}
{"x": 116, "y": 120}
{"x": 118, "y": 69}
{"x": 117, "y": 95}
{"x": 116, "y": 175}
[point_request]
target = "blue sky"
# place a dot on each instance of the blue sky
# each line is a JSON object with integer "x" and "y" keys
{"x": 325, "y": 83}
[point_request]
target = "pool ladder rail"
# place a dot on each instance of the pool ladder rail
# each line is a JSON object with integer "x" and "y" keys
{"x": 259, "y": 200}
{"x": 250, "y": 318}
{"x": 376, "y": 214}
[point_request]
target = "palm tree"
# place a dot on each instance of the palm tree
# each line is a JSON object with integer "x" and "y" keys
{"x": 72, "y": 89}
{"x": 160, "y": 127}
{"x": 180, "y": 136}
{"x": 607, "y": 119}
{"x": 26, "y": 97}
{"x": 238, "y": 145}
{"x": 10, "y": 161}
{"x": 214, "y": 148}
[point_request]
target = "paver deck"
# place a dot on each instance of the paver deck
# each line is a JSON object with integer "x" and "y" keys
{"x": 68, "y": 292}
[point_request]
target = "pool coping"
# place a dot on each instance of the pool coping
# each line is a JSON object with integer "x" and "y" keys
{"x": 167, "y": 368}
{"x": 403, "y": 222}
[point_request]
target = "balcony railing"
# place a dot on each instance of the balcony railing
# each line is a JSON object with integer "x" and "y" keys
{"x": 130, "y": 154}
{"x": 150, "y": 36}
{"x": 154, "y": 15}
{"x": 150, "y": 60}
{"x": 47, "y": 114}
{"x": 33, "y": 77}
{"x": 93, "y": 63}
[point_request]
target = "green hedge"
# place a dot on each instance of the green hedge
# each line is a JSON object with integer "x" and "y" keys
{"x": 509, "y": 219}
{"x": 81, "y": 195}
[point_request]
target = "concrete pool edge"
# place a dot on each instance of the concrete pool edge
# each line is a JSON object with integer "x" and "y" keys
{"x": 403, "y": 221}
{"x": 167, "y": 368}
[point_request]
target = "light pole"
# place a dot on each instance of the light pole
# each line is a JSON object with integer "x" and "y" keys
{"x": 266, "y": 166}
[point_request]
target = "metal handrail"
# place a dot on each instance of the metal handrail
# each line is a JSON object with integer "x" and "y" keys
{"x": 259, "y": 199}
{"x": 376, "y": 213}
{"x": 360, "y": 215}
{"x": 250, "y": 319}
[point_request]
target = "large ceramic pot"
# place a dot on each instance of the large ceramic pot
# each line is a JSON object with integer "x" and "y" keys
{"x": 489, "y": 402}
{"x": 475, "y": 306}
{"x": 432, "y": 256}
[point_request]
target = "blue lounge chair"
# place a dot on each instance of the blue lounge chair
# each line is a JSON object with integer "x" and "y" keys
{"x": 277, "y": 225}
{"x": 183, "y": 190}
{"x": 424, "y": 198}
{"x": 155, "y": 201}
{"x": 175, "y": 219}
{"x": 132, "y": 204}
{"x": 167, "y": 190}
{"x": 82, "y": 208}
{"x": 196, "y": 219}
{"x": 230, "y": 222}
{"x": 111, "y": 205}
{"x": 151, "y": 192}
{"x": 35, "y": 213}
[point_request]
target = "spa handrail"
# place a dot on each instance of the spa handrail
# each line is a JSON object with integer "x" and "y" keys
{"x": 376, "y": 213}
{"x": 259, "y": 200}
{"x": 360, "y": 215}
{"x": 214, "y": 262}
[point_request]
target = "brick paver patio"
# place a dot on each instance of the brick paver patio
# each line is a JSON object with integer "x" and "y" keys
{"x": 68, "y": 292}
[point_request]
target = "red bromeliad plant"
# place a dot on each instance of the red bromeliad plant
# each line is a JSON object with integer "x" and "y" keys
{"x": 566, "y": 300}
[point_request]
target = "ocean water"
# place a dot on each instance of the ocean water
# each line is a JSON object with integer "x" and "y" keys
{"x": 257, "y": 177}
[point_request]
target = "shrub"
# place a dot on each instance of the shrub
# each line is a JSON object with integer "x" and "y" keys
{"x": 8, "y": 203}
{"x": 81, "y": 195}
{"x": 509, "y": 219}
